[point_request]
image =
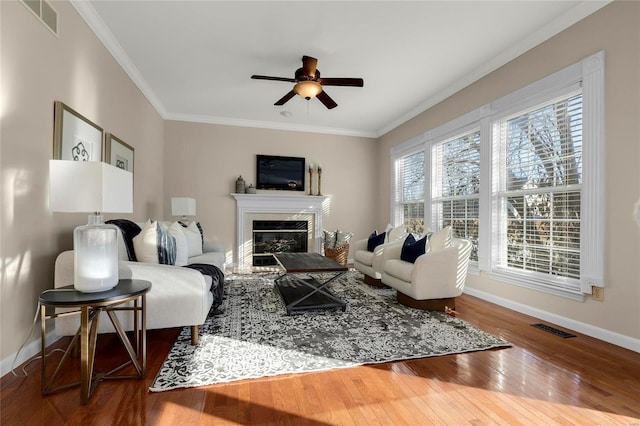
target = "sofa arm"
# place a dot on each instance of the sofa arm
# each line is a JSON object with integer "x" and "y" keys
{"x": 360, "y": 245}
{"x": 439, "y": 269}
{"x": 164, "y": 278}
{"x": 63, "y": 272}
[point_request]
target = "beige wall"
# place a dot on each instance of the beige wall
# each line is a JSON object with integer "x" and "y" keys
{"x": 203, "y": 161}
{"x": 37, "y": 68}
{"x": 616, "y": 30}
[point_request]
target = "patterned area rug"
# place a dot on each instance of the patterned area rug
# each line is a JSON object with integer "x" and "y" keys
{"x": 254, "y": 337}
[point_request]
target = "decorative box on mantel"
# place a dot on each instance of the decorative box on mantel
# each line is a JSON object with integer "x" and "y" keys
{"x": 282, "y": 207}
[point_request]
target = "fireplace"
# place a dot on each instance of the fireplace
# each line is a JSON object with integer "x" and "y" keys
{"x": 277, "y": 206}
{"x": 278, "y": 236}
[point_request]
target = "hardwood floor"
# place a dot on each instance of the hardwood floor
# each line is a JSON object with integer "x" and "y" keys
{"x": 542, "y": 379}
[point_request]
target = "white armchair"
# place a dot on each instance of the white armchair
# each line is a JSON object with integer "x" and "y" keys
{"x": 433, "y": 281}
{"x": 370, "y": 263}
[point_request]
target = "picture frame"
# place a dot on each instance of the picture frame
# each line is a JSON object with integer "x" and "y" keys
{"x": 75, "y": 137}
{"x": 119, "y": 153}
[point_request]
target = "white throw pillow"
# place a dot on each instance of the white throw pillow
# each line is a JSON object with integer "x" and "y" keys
{"x": 154, "y": 245}
{"x": 194, "y": 239}
{"x": 342, "y": 238}
{"x": 329, "y": 238}
{"x": 182, "y": 246}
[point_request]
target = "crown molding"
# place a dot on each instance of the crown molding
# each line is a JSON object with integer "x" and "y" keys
{"x": 270, "y": 125}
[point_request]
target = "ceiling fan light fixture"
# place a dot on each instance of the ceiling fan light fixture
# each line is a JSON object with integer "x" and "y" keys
{"x": 309, "y": 85}
{"x": 307, "y": 89}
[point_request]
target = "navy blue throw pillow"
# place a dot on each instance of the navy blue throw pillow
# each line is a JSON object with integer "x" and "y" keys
{"x": 375, "y": 240}
{"x": 407, "y": 241}
{"x": 412, "y": 249}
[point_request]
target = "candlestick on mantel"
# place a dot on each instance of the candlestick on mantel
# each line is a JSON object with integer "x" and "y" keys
{"x": 319, "y": 179}
{"x": 310, "y": 178}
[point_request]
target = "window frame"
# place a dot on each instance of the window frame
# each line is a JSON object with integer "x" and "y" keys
{"x": 587, "y": 75}
{"x": 435, "y": 196}
{"x": 399, "y": 152}
{"x": 551, "y": 283}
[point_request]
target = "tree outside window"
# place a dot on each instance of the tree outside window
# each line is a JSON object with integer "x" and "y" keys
{"x": 411, "y": 174}
{"x": 456, "y": 187}
{"x": 542, "y": 188}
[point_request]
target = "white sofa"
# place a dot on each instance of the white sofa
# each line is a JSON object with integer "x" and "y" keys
{"x": 434, "y": 280}
{"x": 179, "y": 296}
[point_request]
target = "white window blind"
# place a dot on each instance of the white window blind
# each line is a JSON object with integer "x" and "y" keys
{"x": 456, "y": 187}
{"x": 410, "y": 181}
{"x": 537, "y": 192}
{"x": 533, "y": 206}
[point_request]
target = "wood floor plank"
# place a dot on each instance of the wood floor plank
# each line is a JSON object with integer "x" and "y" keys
{"x": 541, "y": 379}
{"x": 361, "y": 396}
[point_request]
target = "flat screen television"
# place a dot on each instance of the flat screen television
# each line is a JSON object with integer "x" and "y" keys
{"x": 280, "y": 173}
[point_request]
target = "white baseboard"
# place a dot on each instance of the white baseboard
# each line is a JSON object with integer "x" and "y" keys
{"x": 587, "y": 329}
{"x": 30, "y": 349}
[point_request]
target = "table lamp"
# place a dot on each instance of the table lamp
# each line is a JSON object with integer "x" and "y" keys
{"x": 183, "y": 207}
{"x": 92, "y": 187}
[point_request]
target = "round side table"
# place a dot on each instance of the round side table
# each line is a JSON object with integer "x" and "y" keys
{"x": 89, "y": 306}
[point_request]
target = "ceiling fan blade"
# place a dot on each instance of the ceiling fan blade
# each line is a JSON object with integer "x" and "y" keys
{"x": 286, "y": 98}
{"x": 326, "y": 100}
{"x": 355, "y": 82}
{"x": 266, "y": 77}
{"x": 309, "y": 66}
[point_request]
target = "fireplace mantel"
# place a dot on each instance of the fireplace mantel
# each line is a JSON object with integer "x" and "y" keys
{"x": 285, "y": 204}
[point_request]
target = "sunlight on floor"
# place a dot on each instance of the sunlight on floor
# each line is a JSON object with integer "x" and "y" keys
{"x": 495, "y": 396}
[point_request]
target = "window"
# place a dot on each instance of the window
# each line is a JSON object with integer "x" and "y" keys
{"x": 411, "y": 170}
{"x": 409, "y": 196}
{"x": 522, "y": 177}
{"x": 539, "y": 183}
{"x": 456, "y": 187}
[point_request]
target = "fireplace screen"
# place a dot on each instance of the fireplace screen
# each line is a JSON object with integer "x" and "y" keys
{"x": 276, "y": 236}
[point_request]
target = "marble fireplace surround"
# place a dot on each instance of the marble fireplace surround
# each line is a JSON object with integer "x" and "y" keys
{"x": 277, "y": 206}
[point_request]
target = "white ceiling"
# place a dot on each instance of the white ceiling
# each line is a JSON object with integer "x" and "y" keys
{"x": 193, "y": 59}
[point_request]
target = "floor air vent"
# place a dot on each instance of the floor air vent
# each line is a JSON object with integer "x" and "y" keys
{"x": 553, "y": 330}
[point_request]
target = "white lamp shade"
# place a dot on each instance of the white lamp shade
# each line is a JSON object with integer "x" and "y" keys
{"x": 89, "y": 186}
{"x": 183, "y": 206}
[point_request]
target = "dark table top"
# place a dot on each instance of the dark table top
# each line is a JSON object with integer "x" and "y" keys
{"x": 308, "y": 262}
{"x": 68, "y": 296}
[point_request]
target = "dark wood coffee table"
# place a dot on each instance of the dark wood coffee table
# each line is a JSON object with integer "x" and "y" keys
{"x": 299, "y": 290}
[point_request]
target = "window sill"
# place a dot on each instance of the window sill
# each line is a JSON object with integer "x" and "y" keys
{"x": 536, "y": 283}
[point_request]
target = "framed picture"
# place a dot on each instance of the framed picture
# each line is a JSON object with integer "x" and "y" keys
{"x": 74, "y": 136}
{"x": 118, "y": 153}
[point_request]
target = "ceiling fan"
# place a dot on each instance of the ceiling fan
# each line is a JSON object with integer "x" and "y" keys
{"x": 309, "y": 84}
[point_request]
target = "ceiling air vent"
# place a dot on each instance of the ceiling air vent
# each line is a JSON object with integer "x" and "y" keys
{"x": 45, "y": 13}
